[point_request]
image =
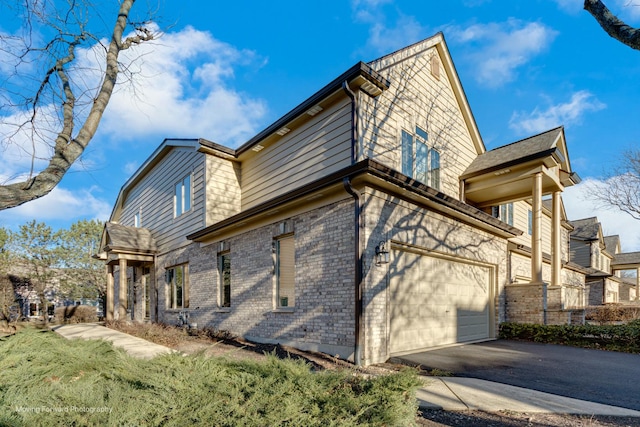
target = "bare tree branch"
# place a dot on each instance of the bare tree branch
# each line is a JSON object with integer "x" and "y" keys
{"x": 621, "y": 188}
{"x": 67, "y": 148}
{"x": 613, "y": 26}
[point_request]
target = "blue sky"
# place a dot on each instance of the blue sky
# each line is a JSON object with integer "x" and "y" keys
{"x": 225, "y": 70}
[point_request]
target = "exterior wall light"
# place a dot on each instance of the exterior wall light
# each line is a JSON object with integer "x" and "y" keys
{"x": 382, "y": 254}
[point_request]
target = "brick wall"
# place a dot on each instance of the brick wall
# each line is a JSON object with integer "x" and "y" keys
{"x": 525, "y": 303}
{"x": 323, "y": 316}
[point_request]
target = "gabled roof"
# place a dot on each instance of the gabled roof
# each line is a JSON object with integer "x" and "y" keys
{"x": 612, "y": 244}
{"x": 155, "y": 158}
{"x": 437, "y": 41}
{"x": 587, "y": 229}
{"x": 128, "y": 239}
{"x": 548, "y": 143}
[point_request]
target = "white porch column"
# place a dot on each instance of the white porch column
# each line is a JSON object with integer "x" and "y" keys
{"x": 556, "y": 251}
{"x": 109, "y": 303}
{"x": 122, "y": 290}
{"x": 536, "y": 232}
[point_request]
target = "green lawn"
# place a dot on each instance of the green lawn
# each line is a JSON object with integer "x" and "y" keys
{"x": 47, "y": 380}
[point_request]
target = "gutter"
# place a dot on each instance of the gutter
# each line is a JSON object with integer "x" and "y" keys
{"x": 357, "y": 353}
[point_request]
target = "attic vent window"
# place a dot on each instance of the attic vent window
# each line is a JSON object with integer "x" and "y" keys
{"x": 435, "y": 67}
{"x": 371, "y": 89}
{"x": 257, "y": 148}
{"x": 314, "y": 110}
{"x": 283, "y": 131}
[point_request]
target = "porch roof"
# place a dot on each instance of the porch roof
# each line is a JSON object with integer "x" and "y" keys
{"x": 504, "y": 174}
{"x": 121, "y": 238}
{"x": 626, "y": 261}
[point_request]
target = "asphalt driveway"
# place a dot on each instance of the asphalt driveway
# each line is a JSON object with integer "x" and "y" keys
{"x": 599, "y": 376}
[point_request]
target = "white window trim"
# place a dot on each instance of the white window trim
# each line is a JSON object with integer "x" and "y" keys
{"x": 181, "y": 196}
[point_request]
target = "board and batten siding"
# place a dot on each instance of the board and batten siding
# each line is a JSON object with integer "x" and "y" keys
{"x": 417, "y": 98}
{"x": 223, "y": 194}
{"x": 153, "y": 195}
{"x": 308, "y": 153}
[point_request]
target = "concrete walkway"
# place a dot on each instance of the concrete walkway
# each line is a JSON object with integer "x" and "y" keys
{"x": 136, "y": 347}
{"x": 447, "y": 393}
{"x": 461, "y": 394}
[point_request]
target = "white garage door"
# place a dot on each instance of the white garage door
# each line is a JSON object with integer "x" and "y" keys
{"x": 436, "y": 301}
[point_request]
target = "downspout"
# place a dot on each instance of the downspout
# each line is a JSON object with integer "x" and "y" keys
{"x": 354, "y": 122}
{"x": 357, "y": 353}
{"x": 357, "y": 197}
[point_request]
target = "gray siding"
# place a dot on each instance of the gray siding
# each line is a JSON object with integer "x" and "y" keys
{"x": 153, "y": 197}
{"x": 318, "y": 148}
{"x": 580, "y": 253}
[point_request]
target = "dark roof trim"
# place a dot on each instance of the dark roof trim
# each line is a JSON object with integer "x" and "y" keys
{"x": 359, "y": 69}
{"x": 217, "y": 147}
{"x": 510, "y": 163}
{"x": 364, "y": 167}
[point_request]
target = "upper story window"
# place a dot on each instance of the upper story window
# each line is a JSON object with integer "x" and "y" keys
{"x": 418, "y": 160}
{"x": 137, "y": 220}
{"x": 504, "y": 212}
{"x": 530, "y": 223}
{"x": 182, "y": 196}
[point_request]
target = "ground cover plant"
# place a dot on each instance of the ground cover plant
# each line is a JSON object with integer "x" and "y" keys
{"x": 47, "y": 380}
{"x": 625, "y": 337}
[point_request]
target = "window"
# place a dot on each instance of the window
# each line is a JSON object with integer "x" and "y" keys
{"x": 418, "y": 160}
{"x": 137, "y": 220}
{"x": 530, "y": 226}
{"x": 285, "y": 272}
{"x": 178, "y": 286}
{"x": 182, "y": 196}
{"x": 504, "y": 212}
{"x": 224, "y": 269}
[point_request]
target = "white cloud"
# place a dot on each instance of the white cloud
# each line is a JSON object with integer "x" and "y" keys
{"x": 182, "y": 87}
{"x": 499, "y": 49}
{"x": 60, "y": 204}
{"x": 579, "y": 203}
{"x": 568, "y": 113}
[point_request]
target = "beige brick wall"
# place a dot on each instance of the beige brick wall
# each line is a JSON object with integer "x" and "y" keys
{"x": 323, "y": 317}
{"x": 525, "y": 303}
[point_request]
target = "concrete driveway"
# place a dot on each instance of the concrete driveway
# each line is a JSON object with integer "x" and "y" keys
{"x": 605, "y": 377}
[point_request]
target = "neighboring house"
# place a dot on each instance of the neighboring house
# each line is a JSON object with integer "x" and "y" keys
{"x": 601, "y": 256}
{"x": 367, "y": 222}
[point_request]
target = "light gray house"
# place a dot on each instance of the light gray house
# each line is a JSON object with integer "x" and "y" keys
{"x": 367, "y": 222}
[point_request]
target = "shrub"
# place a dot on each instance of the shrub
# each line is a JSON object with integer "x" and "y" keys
{"x": 75, "y": 314}
{"x": 624, "y": 338}
{"x": 609, "y": 313}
